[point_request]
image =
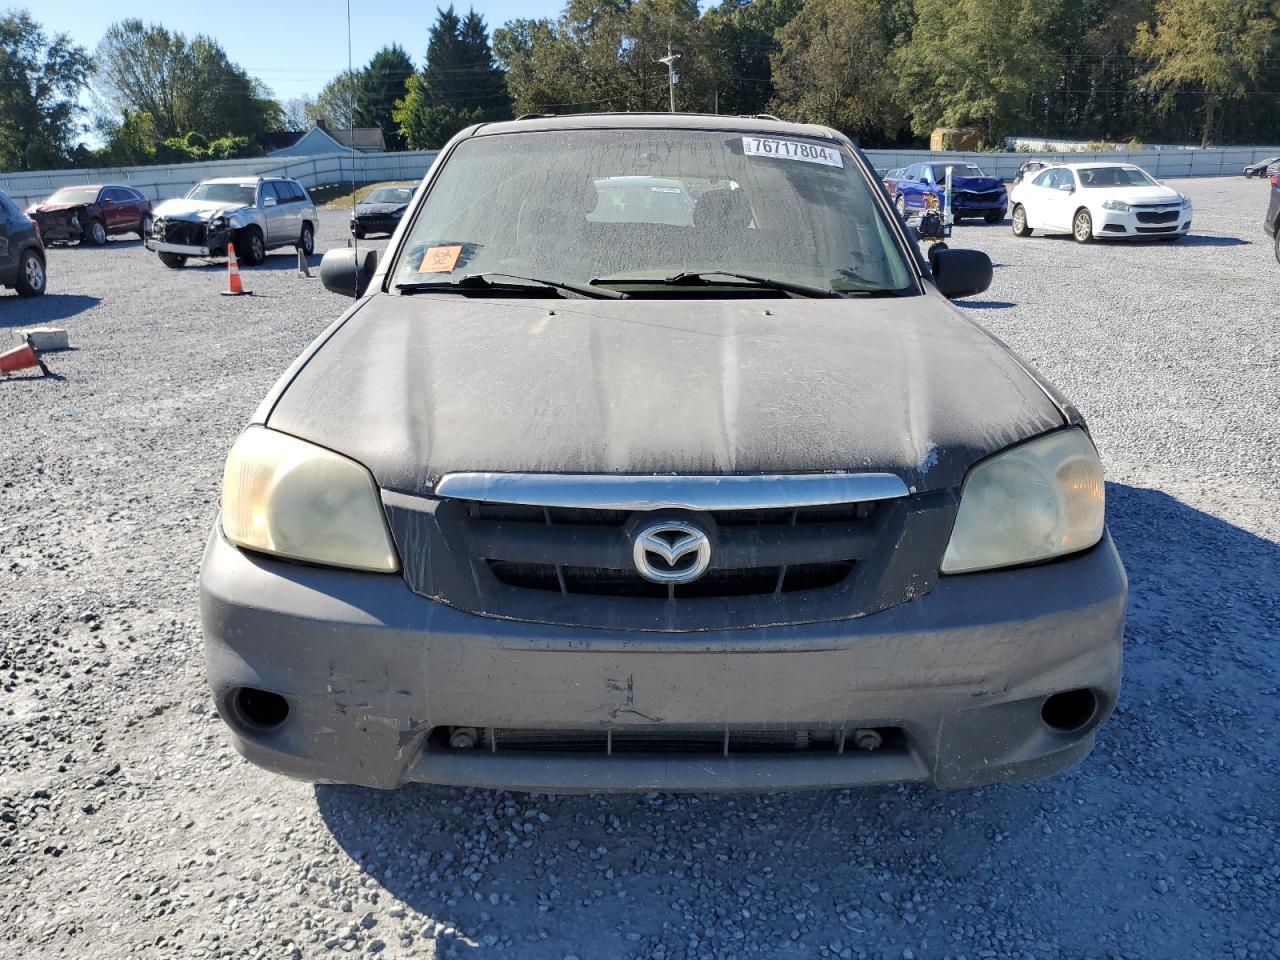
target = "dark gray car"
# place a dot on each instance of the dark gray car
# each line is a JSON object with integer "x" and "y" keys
{"x": 22, "y": 257}
{"x": 605, "y": 499}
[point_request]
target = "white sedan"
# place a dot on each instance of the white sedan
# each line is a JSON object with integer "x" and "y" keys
{"x": 1091, "y": 200}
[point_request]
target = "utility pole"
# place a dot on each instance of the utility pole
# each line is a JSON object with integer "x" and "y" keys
{"x": 670, "y": 60}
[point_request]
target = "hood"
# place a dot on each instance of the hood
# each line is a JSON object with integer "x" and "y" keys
{"x": 1157, "y": 194}
{"x": 977, "y": 184}
{"x": 195, "y": 209}
{"x": 416, "y": 387}
{"x": 380, "y": 208}
{"x": 59, "y": 207}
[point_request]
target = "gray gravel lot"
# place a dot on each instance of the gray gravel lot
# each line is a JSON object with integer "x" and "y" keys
{"x": 129, "y": 828}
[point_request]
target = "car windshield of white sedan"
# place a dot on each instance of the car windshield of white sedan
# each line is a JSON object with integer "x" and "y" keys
{"x": 1114, "y": 177}
{"x": 74, "y": 195}
{"x": 242, "y": 193}
{"x": 650, "y": 205}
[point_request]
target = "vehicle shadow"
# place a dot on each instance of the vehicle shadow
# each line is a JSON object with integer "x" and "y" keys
{"x": 18, "y": 312}
{"x": 275, "y": 261}
{"x": 597, "y": 876}
{"x": 1201, "y": 240}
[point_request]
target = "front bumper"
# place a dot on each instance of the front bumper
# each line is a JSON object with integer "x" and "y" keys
{"x": 375, "y": 224}
{"x": 186, "y": 249}
{"x": 369, "y": 668}
{"x": 1116, "y": 223}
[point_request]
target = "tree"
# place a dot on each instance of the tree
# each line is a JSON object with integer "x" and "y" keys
{"x": 336, "y": 104}
{"x": 298, "y": 113}
{"x": 459, "y": 85}
{"x": 40, "y": 83}
{"x": 1214, "y": 46}
{"x": 744, "y": 35}
{"x": 832, "y": 67}
{"x": 380, "y": 85}
{"x": 977, "y": 63}
{"x": 602, "y": 55}
{"x": 183, "y": 86}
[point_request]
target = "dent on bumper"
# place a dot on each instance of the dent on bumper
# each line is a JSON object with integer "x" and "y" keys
{"x": 368, "y": 668}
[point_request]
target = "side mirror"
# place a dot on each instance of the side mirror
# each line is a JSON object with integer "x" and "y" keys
{"x": 959, "y": 273}
{"x": 340, "y": 273}
{"x": 1066, "y": 188}
{"x": 268, "y": 201}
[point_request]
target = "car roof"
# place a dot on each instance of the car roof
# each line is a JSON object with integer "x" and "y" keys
{"x": 653, "y": 121}
{"x": 251, "y": 178}
{"x": 1096, "y": 164}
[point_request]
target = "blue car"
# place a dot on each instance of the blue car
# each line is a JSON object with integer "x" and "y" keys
{"x": 973, "y": 193}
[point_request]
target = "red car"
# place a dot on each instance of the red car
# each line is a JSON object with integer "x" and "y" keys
{"x": 91, "y": 214}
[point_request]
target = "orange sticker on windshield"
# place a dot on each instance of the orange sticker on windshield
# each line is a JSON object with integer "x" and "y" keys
{"x": 440, "y": 259}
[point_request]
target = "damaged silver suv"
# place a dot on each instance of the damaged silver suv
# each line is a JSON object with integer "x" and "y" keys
{"x": 253, "y": 214}
{"x": 653, "y": 457}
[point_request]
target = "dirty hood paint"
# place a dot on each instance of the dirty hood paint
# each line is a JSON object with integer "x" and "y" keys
{"x": 184, "y": 209}
{"x": 416, "y": 387}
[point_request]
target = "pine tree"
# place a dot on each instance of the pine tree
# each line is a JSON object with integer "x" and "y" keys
{"x": 460, "y": 84}
{"x": 381, "y": 84}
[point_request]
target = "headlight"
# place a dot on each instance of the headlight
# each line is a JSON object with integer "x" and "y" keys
{"x": 1186, "y": 204}
{"x": 1117, "y": 205}
{"x": 285, "y": 496}
{"x": 1041, "y": 499}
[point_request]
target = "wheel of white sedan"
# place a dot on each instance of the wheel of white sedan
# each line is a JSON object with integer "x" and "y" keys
{"x": 1082, "y": 227}
{"x": 1020, "y": 228}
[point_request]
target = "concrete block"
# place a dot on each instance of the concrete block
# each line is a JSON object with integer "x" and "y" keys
{"x": 45, "y": 339}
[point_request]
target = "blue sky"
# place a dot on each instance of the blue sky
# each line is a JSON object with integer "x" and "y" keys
{"x": 316, "y": 30}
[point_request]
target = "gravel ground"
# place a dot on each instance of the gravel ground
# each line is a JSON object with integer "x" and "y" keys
{"x": 129, "y": 828}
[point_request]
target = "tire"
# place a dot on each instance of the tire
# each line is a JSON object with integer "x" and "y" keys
{"x": 172, "y": 260}
{"x": 144, "y": 226}
{"x": 96, "y": 235}
{"x": 901, "y": 204}
{"x": 307, "y": 242}
{"x": 1278, "y": 246}
{"x": 32, "y": 277}
{"x": 358, "y": 234}
{"x": 1019, "y": 219}
{"x": 1082, "y": 226}
{"x": 250, "y": 247}
{"x": 993, "y": 216}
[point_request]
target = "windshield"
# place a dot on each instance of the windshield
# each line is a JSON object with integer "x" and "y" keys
{"x": 1114, "y": 177}
{"x": 957, "y": 170}
{"x": 574, "y": 206}
{"x": 75, "y": 195}
{"x": 241, "y": 193}
{"x": 390, "y": 195}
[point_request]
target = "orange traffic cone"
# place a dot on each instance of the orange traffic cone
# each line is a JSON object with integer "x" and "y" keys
{"x": 20, "y": 358}
{"x": 234, "y": 287}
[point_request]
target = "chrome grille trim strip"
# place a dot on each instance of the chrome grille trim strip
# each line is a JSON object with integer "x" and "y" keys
{"x": 631, "y": 492}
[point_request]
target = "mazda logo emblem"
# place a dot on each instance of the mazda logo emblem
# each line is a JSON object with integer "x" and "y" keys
{"x": 671, "y": 552}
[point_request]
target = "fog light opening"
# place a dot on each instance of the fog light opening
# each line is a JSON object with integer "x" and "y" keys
{"x": 1070, "y": 710}
{"x": 260, "y": 709}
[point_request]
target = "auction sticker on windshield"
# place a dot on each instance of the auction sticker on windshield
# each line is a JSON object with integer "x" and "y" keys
{"x": 791, "y": 150}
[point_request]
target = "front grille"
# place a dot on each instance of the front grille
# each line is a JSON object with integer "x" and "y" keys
{"x": 576, "y": 566}
{"x": 1159, "y": 216}
{"x": 675, "y": 741}
{"x": 1156, "y": 229}
{"x": 746, "y": 582}
{"x": 990, "y": 196}
{"x": 183, "y": 232}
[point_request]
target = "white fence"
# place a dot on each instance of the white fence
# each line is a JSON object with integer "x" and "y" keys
{"x": 174, "y": 180}
{"x": 159, "y": 183}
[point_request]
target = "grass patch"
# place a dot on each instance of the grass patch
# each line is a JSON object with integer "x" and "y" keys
{"x": 339, "y": 195}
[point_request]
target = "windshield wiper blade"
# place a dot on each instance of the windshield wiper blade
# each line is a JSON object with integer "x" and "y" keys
{"x": 699, "y": 278}
{"x": 483, "y": 281}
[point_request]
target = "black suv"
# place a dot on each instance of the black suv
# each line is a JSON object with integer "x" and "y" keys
{"x": 22, "y": 264}
{"x": 1272, "y": 222}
